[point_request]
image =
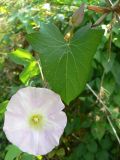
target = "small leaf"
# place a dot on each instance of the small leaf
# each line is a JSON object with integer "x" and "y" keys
{"x": 103, "y": 59}
{"x": 24, "y": 58}
{"x": 86, "y": 123}
{"x": 66, "y": 65}
{"x": 52, "y": 154}
{"x": 3, "y": 106}
{"x": 118, "y": 122}
{"x": 12, "y": 152}
{"x": 116, "y": 72}
{"x": 60, "y": 152}
{"x": 73, "y": 125}
{"x": 21, "y": 56}
{"x": 106, "y": 143}
{"x": 98, "y": 129}
{"x": 116, "y": 40}
{"x": 29, "y": 72}
{"x": 89, "y": 156}
{"x": 116, "y": 98}
{"x": 92, "y": 146}
{"x": 109, "y": 85}
{"x": 78, "y": 152}
{"x": 102, "y": 155}
{"x": 26, "y": 156}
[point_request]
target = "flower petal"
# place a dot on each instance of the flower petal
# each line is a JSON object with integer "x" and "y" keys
{"x": 14, "y": 121}
{"x": 29, "y": 101}
{"x": 30, "y": 98}
{"x": 48, "y": 101}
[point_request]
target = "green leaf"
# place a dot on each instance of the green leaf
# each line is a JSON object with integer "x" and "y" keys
{"x": 114, "y": 112}
{"x": 29, "y": 71}
{"x": 66, "y": 65}
{"x": 2, "y": 60}
{"x": 24, "y": 58}
{"x": 92, "y": 146}
{"x": 12, "y": 153}
{"x": 116, "y": 98}
{"x": 102, "y": 58}
{"x": 109, "y": 85}
{"x": 89, "y": 156}
{"x": 116, "y": 40}
{"x": 52, "y": 154}
{"x": 3, "y": 106}
{"x": 73, "y": 125}
{"x": 21, "y": 56}
{"x": 118, "y": 122}
{"x": 60, "y": 152}
{"x": 27, "y": 157}
{"x": 106, "y": 143}
{"x": 116, "y": 72}
{"x": 102, "y": 155}
{"x": 78, "y": 152}
{"x": 98, "y": 129}
{"x": 86, "y": 123}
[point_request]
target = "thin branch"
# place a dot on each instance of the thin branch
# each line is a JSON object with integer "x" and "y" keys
{"x": 109, "y": 2}
{"x": 110, "y": 37}
{"x": 40, "y": 68}
{"x": 102, "y": 79}
{"x": 98, "y": 98}
{"x": 116, "y": 3}
{"x": 110, "y": 46}
{"x": 106, "y": 108}
{"x": 118, "y": 18}
{"x": 109, "y": 120}
{"x": 100, "y": 20}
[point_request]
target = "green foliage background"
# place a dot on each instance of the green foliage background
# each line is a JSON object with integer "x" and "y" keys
{"x": 88, "y": 135}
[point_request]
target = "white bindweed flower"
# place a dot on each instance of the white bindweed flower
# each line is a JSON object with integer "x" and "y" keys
{"x": 34, "y": 120}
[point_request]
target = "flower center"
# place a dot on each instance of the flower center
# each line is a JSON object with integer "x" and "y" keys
{"x": 36, "y": 121}
{"x": 36, "y": 118}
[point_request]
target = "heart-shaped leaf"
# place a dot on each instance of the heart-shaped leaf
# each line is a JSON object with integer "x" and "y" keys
{"x": 66, "y": 65}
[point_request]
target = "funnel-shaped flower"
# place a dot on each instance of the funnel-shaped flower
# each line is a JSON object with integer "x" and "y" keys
{"x": 34, "y": 120}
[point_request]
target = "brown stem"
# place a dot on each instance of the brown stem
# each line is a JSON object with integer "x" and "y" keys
{"x": 98, "y": 9}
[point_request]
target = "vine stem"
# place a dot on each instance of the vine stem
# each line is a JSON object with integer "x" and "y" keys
{"x": 110, "y": 122}
{"x": 98, "y": 98}
{"x": 109, "y": 2}
{"x": 40, "y": 68}
{"x": 44, "y": 83}
{"x": 106, "y": 108}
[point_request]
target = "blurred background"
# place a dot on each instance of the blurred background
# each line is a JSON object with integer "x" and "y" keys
{"x": 88, "y": 135}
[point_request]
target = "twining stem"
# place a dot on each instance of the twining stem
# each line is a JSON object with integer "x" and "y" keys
{"x": 100, "y": 20}
{"x": 116, "y": 3}
{"x": 110, "y": 38}
{"x": 109, "y": 2}
{"x": 44, "y": 84}
{"x": 106, "y": 109}
{"x": 109, "y": 120}
{"x": 40, "y": 68}
{"x": 102, "y": 79}
{"x": 98, "y": 98}
{"x": 110, "y": 43}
